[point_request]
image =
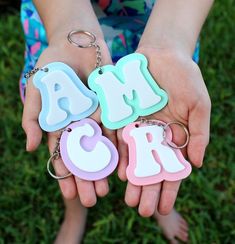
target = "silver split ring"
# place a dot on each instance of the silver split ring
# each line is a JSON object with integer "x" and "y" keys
{"x": 50, "y": 160}
{"x": 185, "y": 130}
{"x": 87, "y": 33}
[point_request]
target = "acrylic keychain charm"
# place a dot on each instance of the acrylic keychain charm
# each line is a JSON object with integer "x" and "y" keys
{"x": 85, "y": 152}
{"x": 126, "y": 90}
{"x": 64, "y": 97}
{"x": 153, "y": 157}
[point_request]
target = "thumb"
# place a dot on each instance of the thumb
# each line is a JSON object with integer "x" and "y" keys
{"x": 199, "y": 128}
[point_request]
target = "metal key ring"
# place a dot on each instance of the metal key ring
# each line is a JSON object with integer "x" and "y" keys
{"x": 185, "y": 130}
{"x": 50, "y": 160}
{"x": 87, "y": 33}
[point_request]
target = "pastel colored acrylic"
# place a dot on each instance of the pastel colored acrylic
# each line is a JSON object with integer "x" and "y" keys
{"x": 151, "y": 159}
{"x": 85, "y": 152}
{"x": 64, "y": 97}
{"x": 126, "y": 91}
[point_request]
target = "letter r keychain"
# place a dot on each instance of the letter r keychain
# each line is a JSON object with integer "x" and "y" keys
{"x": 153, "y": 157}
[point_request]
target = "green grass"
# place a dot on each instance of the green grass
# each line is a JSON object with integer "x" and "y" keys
{"x": 31, "y": 208}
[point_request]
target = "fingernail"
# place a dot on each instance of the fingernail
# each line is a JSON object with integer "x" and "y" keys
{"x": 200, "y": 165}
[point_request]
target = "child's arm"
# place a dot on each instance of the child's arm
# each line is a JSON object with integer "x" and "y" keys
{"x": 168, "y": 42}
{"x": 175, "y": 25}
{"x": 59, "y": 18}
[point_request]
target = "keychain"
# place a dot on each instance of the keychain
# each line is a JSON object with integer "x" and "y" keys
{"x": 153, "y": 157}
{"x": 64, "y": 97}
{"x": 85, "y": 152}
{"x": 126, "y": 90}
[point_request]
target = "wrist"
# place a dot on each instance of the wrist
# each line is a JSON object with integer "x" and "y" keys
{"x": 166, "y": 62}
{"x": 61, "y": 38}
{"x": 167, "y": 43}
{"x": 163, "y": 53}
{"x": 173, "y": 25}
{"x": 82, "y": 60}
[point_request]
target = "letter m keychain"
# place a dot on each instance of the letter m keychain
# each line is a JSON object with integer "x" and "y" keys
{"x": 125, "y": 90}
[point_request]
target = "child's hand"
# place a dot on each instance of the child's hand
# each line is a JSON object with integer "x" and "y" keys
{"x": 189, "y": 103}
{"x": 83, "y": 62}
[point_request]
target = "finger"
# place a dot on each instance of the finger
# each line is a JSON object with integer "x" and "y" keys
{"x": 110, "y": 134}
{"x": 179, "y": 137}
{"x": 123, "y": 156}
{"x": 132, "y": 195}
{"x": 101, "y": 187}
{"x": 105, "y": 131}
{"x": 168, "y": 196}
{"x": 149, "y": 199}
{"x": 86, "y": 191}
{"x": 96, "y": 115}
{"x": 68, "y": 185}
{"x": 32, "y": 107}
{"x": 199, "y": 128}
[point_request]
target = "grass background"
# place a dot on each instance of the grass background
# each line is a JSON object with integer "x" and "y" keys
{"x": 31, "y": 208}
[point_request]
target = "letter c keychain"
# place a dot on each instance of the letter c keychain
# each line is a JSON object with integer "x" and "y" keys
{"x": 85, "y": 152}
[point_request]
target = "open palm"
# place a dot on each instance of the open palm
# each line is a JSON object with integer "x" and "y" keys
{"x": 189, "y": 103}
{"x": 82, "y": 61}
